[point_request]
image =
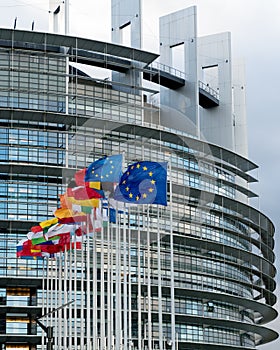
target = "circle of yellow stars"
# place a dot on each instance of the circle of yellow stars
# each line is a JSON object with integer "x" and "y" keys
{"x": 103, "y": 176}
{"x": 128, "y": 185}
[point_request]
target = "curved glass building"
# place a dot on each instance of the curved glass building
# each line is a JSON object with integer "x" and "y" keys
{"x": 195, "y": 274}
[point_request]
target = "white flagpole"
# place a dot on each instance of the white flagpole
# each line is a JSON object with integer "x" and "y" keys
{"x": 45, "y": 288}
{"x": 70, "y": 290}
{"x": 118, "y": 330}
{"x": 112, "y": 283}
{"x": 59, "y": 302}
{"x": 65, "y": 296}
{"x": 139, "y": 281}
{"x": 159, "y": 282}
{"x": 54, "y": 296}
{"x": 94, "y": 286}
{"x": 82, "y": 318}
{"x": 125, "y": 330}
{"x": 88, "y": 291}
{"x": 102, "y": 287}
{"x": 129, "y": 282}
{"x": 75, "y": 268}
{"x": 149, "y": 278}
{"x": 173, "y": 330}
{"x": 109, "y": 284}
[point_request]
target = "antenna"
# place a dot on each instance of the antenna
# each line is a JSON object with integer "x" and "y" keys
{"x": 15, "y": 23}
{"x": 32, "y": 26}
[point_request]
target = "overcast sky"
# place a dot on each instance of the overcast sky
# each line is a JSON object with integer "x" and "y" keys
{"x": 255, "y": 29}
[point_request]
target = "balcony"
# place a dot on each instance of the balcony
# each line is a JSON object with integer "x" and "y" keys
{"x": 208, "y": 97}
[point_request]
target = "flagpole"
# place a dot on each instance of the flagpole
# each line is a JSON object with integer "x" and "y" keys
{"x": 82, "y": 318}
{"x": 65, "y": 297}
{"x": 129, "y": 282}
{"x": 125, "y": 280}
{"x": 112, "y": 287}
{"x": 94, "y": 282}
{"x": 45, "y": 288}
{"x": 58, "y": 301}
{"x": 70, "y": 289}
{"x": 172, "y": 285}
{"x": 102, "y": 287}
{"x": 118, "y": 284}
{"x": 159, "y": 281}
{"x": 139, "y": 281}
{"x": 149, "y": 278}
{"x": 55, "y": 293}
{"x": 88, "y": 295}
{"x": 119, "y": 326}
{"x": 75, "y": 267}
{"x": 109, "y": 293}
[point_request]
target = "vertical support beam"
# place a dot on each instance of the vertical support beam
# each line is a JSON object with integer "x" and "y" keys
{"x": 180, "y": 28}
{"x": 239, "y": 108}
{"x": 127, "y": 16}
{"x": 66, "y": 19}
{"x": 127, "y": 13}
{"x": 217, "y": 123}
{"x": 59, "y": 16}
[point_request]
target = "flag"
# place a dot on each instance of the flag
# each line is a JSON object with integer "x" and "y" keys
{"x": 37, "y": 238}
{"x": 93, "y": 203}
{"x": 48, "y": 223}
{"x": 35, "y": 229}
{"x": 73, "y": 220}
{"x": 84, "y": 192}
{"x": 90, "y": 202}
{"x": 95, "y": 185}
{"x": 62, "y": 213}
{"x": 80, "y": 180}
{"x": 143, "y": 183}
{"x": 112, "y": 215}
{"x": 44, "y": 241}
{"x": 64, "y": 201}
{"x": 106, "y": 169}
{"x": 80, "y": 177}
{"x": 26, "y": 250}
{"x": 60, "y": 244}
{"x": 58, "y": 230}
{"x": 58, "y": 238}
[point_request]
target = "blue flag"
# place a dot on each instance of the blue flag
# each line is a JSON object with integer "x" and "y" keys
{"x": 107, "y": 169}
{"x": 143, "y": 183}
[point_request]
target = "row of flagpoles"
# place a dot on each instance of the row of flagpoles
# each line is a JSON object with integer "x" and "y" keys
{"x": 93, "y": 201}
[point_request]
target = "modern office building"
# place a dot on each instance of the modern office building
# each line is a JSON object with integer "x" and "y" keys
{"x": 195, "y": 274}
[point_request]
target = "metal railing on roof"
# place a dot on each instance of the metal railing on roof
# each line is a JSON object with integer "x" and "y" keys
{"x": 167, "y": 69}
{"x": 207, "y": 88}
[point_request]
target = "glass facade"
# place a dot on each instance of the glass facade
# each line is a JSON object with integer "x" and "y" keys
{"x": 196, "y": 273}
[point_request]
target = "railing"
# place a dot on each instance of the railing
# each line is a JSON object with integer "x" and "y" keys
{"x": 177, "y": 73}
{"x": 208, "y": 89}
{"x": 167, "y": 69}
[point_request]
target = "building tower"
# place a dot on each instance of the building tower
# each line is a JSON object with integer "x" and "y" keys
{"x": 195, "y": 274}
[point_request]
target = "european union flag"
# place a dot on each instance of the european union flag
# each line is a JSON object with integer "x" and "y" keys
{"x": 107, "y": 169}
{"x": 143, "y": 183}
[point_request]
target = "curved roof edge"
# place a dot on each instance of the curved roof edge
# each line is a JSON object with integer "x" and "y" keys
{"x": 269, "y": 314}
{"x": 255, "y": 216}
{"x": 266, "y": 334}
{"x": 59, "y": 40}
